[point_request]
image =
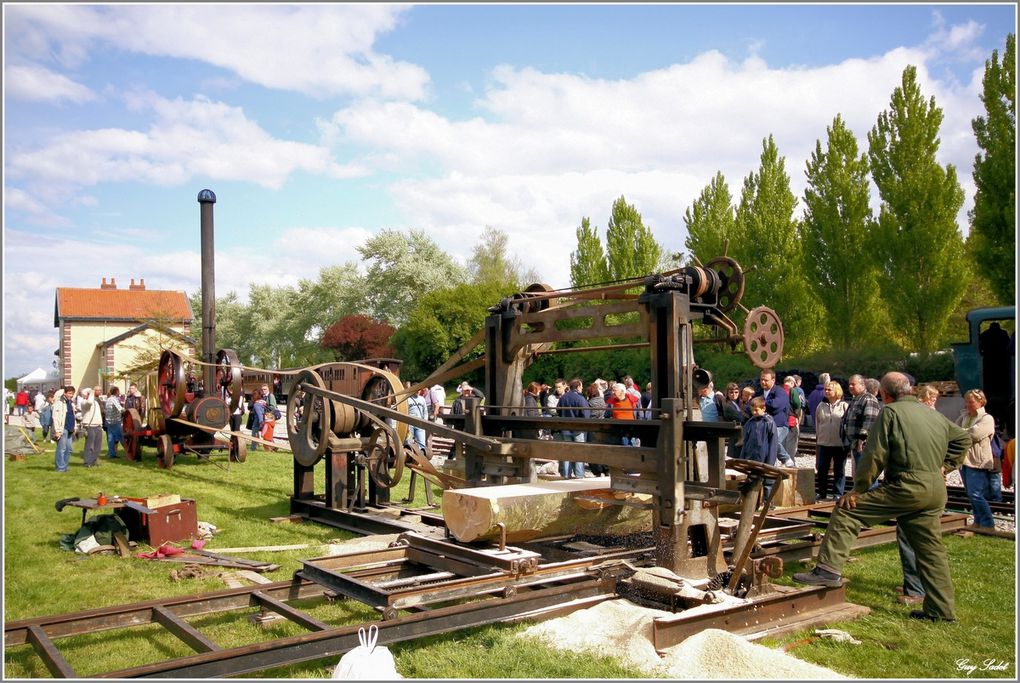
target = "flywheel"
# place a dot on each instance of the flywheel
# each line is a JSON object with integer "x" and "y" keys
{"x": 228, "y": 377}
{"x": 172, "y": 383}
{"x": 763, "y": 337}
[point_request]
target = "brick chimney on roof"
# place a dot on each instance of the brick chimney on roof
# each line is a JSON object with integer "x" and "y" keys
{"x": 112, "y": 284}
{"x": 140, "y": 286}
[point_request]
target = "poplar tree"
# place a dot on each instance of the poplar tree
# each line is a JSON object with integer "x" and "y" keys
{"x": 767, "y": 238}
{"x": 993, "y": 219}
{"x": 588, "y": 262}
{"x": 918, "y": 244}
{"x": 710, "y": 220}
{"x": 836, "y": 233}
{"x": 631, "y": 250}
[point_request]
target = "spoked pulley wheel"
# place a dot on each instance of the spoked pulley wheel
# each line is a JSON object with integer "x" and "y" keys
{"x": 309, "y": 433}
{"x": 384, "y": 451}
{"x": 172, "y": 384}
{"x": 731, "y": 282}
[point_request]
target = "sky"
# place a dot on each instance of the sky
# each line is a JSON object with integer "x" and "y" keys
{"x": 319, "y": 125}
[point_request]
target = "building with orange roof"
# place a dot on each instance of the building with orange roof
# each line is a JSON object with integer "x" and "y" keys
{"x": 106, "y": 333}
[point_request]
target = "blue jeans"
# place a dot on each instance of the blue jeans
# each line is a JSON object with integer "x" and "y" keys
{"x": 978, "y": 484}
{"x": 64, "y": 445}
{"x": 830, "y": 457}
{"x": 912, "y": 585}
{"x": 114, "y": 435}
{"x": 568, "y": 469}
{"x": 996, "y": 487}
{"x": 419, "y": 435}
{"x": 781, "y": 434}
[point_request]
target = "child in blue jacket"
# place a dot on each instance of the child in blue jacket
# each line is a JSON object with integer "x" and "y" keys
{"x": 761, "y": 441}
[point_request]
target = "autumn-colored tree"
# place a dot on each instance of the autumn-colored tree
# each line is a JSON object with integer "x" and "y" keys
{"x": 356, "y": 337}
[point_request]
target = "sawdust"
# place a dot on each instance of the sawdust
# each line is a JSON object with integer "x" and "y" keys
{"x": 717, "y": 654}
{"x": 624, "y": 630}
{"x": 615, "y": 627}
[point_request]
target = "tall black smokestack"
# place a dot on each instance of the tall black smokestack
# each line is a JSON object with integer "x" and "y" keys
{"x": 206, "y": 199}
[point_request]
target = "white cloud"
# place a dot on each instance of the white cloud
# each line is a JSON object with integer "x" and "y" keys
{"x": 552, "y": 148}
{"x": 189, "y": 138}
{"x": 38, "y": 84}
{"x": 318, "y": 50}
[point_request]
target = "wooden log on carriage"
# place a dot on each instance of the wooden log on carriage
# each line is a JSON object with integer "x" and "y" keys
{"x": 544, "y": 509}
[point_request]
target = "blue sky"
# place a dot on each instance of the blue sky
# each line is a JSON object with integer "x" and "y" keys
{"x": 319, "y": 125}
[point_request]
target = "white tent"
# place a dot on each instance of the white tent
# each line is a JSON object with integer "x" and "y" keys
{"x": 40, "y": 380}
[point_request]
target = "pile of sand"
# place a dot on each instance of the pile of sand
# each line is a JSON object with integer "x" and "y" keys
{"x": 624, "y": 630}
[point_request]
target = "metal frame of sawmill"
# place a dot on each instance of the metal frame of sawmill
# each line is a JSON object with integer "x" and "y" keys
{"x": 660, "y": 318}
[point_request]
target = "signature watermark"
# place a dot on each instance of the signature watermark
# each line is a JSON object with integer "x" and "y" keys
{"x": 985, "y": 665}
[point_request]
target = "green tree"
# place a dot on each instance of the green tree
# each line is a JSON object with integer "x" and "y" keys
{"x": 588, "y": 263}
{"x": 767, "y": 238}
{"x": 836, "y": 232}
{"x": 710, "y": 220}
{"x": 338, "y": 292}
{"x": 400, "y": 269}
{"x": 631, "y": 249}
{"x": 918, "y": 243}
{"x": 441, "y": 322}
{"x": 491, "y": 264}
{"x": 993, "y": 219}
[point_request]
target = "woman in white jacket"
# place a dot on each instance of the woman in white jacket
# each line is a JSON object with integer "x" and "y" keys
{"x": 978, "y": 466}
{"x": 831, "y": 450}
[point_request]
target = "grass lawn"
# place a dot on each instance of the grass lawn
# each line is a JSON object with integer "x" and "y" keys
{"x": 40, "y": 578}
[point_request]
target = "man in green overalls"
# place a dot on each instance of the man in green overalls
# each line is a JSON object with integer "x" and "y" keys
{"x": 915, "y": 446}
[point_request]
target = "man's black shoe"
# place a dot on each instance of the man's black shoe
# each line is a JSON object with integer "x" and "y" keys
{"x": 919, "y": 614}
{"x": 819, "y": 577}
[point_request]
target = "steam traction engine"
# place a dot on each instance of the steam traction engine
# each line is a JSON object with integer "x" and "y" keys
{"x": 182, "y": 417}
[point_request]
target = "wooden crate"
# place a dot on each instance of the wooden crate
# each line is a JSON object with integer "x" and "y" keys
{"x": 798, "y": 489}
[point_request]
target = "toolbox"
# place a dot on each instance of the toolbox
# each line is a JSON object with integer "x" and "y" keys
{"x": 174, "y": 522}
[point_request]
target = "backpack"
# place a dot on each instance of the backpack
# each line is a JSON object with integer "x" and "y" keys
{"x": 997, "y": 446}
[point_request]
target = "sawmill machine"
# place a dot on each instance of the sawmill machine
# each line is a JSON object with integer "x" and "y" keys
{"x": 658, "y": 313}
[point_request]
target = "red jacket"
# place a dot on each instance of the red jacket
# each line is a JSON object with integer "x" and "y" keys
{"x": 21, "y": 399}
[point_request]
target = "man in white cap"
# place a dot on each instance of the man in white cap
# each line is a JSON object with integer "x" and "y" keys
{"x": 466, "y": 391}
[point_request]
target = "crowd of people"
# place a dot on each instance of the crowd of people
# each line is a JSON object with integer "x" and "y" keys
{"x": 64, "y": 414}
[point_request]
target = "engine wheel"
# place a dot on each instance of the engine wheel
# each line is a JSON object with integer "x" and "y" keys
{"x": 228, "y": 377}
{"x": 238, "y": 449}
{"x": 132, "y": 425}
{"x": 165, "y": 452}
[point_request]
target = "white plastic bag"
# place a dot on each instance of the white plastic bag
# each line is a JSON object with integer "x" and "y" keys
{"x": 367, "y": 662}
